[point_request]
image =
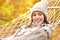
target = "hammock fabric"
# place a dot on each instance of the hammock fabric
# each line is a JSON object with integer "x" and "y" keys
{"x": 25, "y": 19}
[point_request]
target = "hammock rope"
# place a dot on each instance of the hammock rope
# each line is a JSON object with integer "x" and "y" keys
{"x": 25, "y": 19}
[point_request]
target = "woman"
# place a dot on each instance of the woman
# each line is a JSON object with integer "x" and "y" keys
{"x": 40, "y": 29}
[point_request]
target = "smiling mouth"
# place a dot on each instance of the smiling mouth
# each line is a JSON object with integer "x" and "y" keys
{"x": 37, "y": 21}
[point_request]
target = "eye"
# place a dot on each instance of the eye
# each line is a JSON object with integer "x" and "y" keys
{"x": 34, "y": 14}
{"x": 39, "y": 14}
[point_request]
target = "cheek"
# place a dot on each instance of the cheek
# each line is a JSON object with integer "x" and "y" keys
{"x": 41, "y": 18}
{"x": 33, "y": 18}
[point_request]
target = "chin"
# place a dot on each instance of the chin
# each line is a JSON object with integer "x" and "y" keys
{"x": 38, "y": 23}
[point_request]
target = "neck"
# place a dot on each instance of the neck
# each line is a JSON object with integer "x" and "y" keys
{"x": 35, "y": 24}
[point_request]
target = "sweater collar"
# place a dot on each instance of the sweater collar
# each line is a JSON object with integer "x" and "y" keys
{"x": 42, "y": 25}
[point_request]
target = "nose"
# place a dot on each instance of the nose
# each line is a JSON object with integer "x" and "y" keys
{"x": 37, "y": 16}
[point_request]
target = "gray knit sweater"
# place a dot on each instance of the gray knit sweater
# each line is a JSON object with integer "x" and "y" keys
{"x": 41, "y": 32}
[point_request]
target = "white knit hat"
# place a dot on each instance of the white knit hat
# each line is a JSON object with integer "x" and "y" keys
{"x": 41, "y": 6}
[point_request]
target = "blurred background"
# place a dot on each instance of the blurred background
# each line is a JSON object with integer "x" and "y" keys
{"x": 11, "y": 9}
{"x": 13, "y": 14}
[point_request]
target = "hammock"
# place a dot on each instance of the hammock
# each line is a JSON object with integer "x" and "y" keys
{"x": 25, "y": 19}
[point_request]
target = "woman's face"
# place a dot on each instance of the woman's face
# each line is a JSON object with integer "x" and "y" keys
{"x": 38, "y": 17}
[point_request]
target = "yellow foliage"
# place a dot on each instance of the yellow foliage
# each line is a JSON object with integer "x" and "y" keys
{"x": 13, "y": 8}
{"x": 55, "y": 34}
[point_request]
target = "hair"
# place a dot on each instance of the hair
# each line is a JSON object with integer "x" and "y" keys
{"x": 45, "y": 18}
